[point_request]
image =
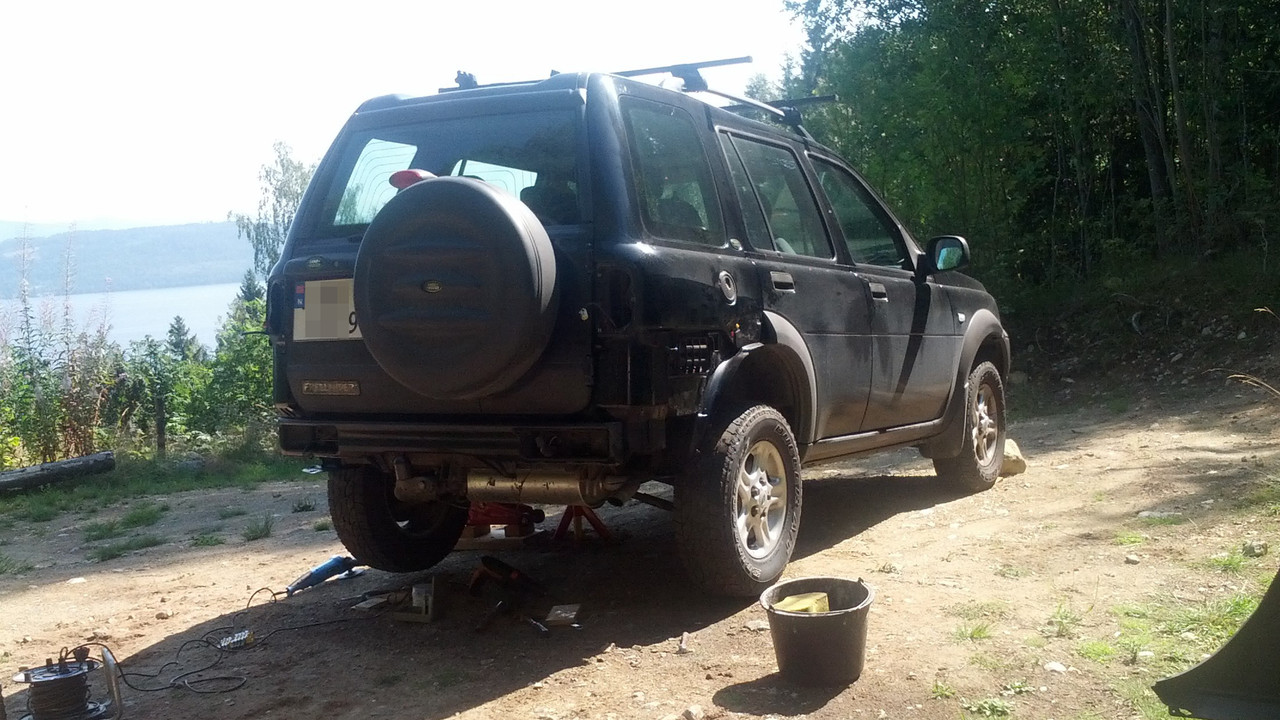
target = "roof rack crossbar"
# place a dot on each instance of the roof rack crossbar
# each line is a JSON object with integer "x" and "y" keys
{"x": 682, "y": 69}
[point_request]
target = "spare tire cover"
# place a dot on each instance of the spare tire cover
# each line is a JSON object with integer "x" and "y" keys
{"x": 455, "y": 288}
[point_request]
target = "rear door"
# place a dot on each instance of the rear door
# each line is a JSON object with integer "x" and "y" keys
{"x": 801, "y": 279}
{"x": 914, "y": 340}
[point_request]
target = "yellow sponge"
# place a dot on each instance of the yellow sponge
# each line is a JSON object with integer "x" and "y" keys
{"x": 814, "y": 602}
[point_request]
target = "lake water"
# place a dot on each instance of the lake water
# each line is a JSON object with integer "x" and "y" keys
{"x": 134, "y": 314}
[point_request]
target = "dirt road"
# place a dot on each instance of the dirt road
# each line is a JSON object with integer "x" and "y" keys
{"x": 976, "y": 596}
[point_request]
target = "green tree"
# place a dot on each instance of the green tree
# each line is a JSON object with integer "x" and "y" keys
{"x": 250, "y": 288}
{"x": 237, "y": 394}
{"x": 157, "y": 369}
{"x": 181, "y": 343}
{"x": 282, "y": 183}
{"x": 1068, "y": 140}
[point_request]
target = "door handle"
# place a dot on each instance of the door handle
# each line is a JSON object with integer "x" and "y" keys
{"x": 878, "y": 292}
{"x": 782, "y": 281}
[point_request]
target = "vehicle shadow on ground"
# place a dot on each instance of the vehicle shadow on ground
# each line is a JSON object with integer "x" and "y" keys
{"x": 838, "y": 507}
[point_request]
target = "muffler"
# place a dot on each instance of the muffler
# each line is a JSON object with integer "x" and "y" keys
{"x": 541, "y": 487}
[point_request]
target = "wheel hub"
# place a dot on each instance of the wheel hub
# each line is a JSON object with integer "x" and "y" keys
{"x": 985, "y": 428}
{"x": 761, "y": 499}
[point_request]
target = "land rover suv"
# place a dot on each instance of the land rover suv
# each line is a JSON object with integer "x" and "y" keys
{"x": 556, "y": 291}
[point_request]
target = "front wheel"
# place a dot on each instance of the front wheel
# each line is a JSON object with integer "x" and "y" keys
{"x": 737, "y": 514}
{"x": 978, "y": 465}
{"x": 385, "y": 533}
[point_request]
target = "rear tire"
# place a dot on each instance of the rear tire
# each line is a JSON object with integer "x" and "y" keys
{"x": 738, "y": 513}
{"x": 384, "y": 533}
{"x": 977, "y": 467}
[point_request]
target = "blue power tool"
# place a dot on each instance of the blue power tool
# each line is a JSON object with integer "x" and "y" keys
{"x": 335, "y": 565}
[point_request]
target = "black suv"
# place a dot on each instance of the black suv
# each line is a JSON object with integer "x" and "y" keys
{"x": 555, "y": 291}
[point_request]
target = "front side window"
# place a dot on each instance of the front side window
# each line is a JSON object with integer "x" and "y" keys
{"x": 870, "y": 235}
{"x": 532, "y": 156}
{"x": 674, "y": 188}
{"x": 790, "y": 211}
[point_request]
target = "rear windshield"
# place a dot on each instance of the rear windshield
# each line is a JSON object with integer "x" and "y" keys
{"x": 532, "y": 156}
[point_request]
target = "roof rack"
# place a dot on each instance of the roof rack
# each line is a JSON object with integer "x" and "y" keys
{"x": 785, "y": 112}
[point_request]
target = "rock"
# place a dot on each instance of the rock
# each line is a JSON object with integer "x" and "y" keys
{"x": 191, "y": 462}
{"x": 1132, "y": 559}
{"x": 693, "y": 712}
{"x": 164, "y": 615}
{"x": 757, "y": 625}
{"x": 1254, "y": 548}
{"x": 76, "y": 581}
{"x": 682, "y": 648}
{"x": 1014, "y": 461}
{"x": 1017, "y": 377}
{"x": 1055, "y": 666}
{"x": 100, "y": 634}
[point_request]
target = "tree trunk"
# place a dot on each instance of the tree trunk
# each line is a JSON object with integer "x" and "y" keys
{"x": 52, "y": 472}
{"x": 162, "y": 424}
{"x": 1149, "y": 115}
{"x": 1192, "y": 203}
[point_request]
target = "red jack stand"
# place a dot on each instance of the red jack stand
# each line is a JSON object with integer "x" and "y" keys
{"x": 575, "y": 514}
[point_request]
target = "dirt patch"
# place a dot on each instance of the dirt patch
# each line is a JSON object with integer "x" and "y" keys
{"x": 1124, "y": 509}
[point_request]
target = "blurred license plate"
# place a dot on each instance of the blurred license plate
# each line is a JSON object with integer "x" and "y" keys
{"x": 324, "y": 310}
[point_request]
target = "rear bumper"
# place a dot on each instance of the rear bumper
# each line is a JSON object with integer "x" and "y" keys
{"x": 554, "y": 443}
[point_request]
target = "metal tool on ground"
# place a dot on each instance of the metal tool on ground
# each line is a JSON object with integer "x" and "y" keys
{"x": 336, "y": 565}
{"x": 515, "y": 588}
{"x": 60, "y": 689}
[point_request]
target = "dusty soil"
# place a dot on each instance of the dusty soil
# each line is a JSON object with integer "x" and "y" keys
{"x": 1042, "y": 543}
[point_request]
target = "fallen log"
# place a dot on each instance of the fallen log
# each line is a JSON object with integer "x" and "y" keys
{"x": 52, "y": 472}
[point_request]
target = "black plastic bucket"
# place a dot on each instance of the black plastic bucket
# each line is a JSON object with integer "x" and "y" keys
{"x": 825, "y": 648}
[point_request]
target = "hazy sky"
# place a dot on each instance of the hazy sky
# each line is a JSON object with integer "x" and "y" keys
{"x": 162, "y": 112}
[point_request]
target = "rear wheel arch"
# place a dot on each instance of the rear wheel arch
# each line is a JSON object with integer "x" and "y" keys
{"x": 778, "y": 373}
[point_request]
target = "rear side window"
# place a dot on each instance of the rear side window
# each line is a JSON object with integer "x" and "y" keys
{"x": 676, "y": 194}
{"x": 532, "y": 156}
{"x": 790, "y": 210}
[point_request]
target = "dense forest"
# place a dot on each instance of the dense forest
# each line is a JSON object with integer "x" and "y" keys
{"x": 1076, "y": 144}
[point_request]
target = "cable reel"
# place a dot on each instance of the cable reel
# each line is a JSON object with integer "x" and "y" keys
{"x": 60, "y": 689}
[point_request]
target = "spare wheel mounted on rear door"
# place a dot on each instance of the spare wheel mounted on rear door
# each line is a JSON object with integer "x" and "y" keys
{"x": 455, "y": 288}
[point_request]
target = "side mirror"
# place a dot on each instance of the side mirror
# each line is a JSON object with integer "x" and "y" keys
{"x": 947, "y": 252}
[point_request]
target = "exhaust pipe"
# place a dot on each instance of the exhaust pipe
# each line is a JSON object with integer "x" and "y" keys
{"x": 541, "y": 487}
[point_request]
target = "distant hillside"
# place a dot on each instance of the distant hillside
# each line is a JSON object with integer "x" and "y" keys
{"x": 136, "y": 259}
